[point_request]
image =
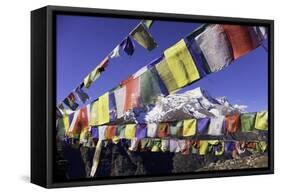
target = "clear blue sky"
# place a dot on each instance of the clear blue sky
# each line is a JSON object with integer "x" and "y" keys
{"x": 83, "y": 41}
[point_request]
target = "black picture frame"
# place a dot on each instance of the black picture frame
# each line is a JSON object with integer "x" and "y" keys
{"x": 43, "y": 94}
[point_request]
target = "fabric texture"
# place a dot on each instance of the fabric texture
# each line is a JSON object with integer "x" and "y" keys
{"x": 110, "y": 132}
{"x": 166, "y": 76}
{"x": 232, "y": 123}
{"x": 94, "y": 113}
{"x": 163, "y": 129}
{"x": 95, "y": 74}
{"x": 202, "y": 126}
{"x": 103, "y": 109}
{"x": 216, "y": 126}
{"x": 132, "y": 97}
{"x": 102, "y": 132}
{"x": 130, "y": 131}
{"x": 128, "y": 46}
{"x": 152, "y": 129}
{"x": 215, "y": 47}
{"x": 112, "y": 107}
{"x": 143, "y": 37}
{"x": 261, "y": 122}
{"x": 147, "y": 23}
{"x": 141, "y": 131}
{"x": 181, "y": 64}
{"x": 189, "y": 127}
{"x": 119, "y": 94}
{"x": 70, "y": 101}
{"x": 241, "y": 39}
{"x": 247, "y": 122}
{"x": 149, "y": 87}
{"x": 83, "y": 96}
{"x": 203, "y": 149}
{"x": 120, "y": 131}
{"x": 175, "y": 129}
{"x": 95, "y": 132}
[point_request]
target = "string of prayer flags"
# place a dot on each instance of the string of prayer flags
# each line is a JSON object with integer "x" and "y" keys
{"x": 147, "y": 23}
{"x": 143, "y": 37}
{"x": 215, "y": 46}
{"x": 241, "y": 39}
{"x": 181, "y": 64}
{"x": 83, "y": 96}
{"x": 128, "y": 46}
{"x": 70, "y": 101}
{"x": 95, "y": 74}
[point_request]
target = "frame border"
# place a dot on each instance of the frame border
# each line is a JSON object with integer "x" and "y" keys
{"x": 51, "y": 93}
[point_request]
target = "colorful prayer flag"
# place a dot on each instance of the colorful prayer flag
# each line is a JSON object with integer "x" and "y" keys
{"x": 103, "y": 109}
{"x": 261, "y": 122}
{"x": 83, "y": 96}
{"x": 70, "y": 101}
{"x": 189, "y": 127}
{"x": 241, "y": 39}
{"x": 181, "y": 64}
{"x": 128, "y": 46}
{"x": 143, "y": 37}
{"x": 147, "y": 23}
{"x": 216, "y": 47}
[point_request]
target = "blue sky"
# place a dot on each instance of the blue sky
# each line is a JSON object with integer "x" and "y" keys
{"x": 83, "y": 41}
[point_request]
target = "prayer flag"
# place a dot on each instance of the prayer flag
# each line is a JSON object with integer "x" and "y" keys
{"x": 232, "y": 123}
{"x": 70, "y": 101}
{"x": 247, "y": 122}
{"x": 261, "y": 122}
{"x": 128, "y": 46}
{"x": 189, "y": 127}
{"x": 143, "y": 37}
{"x": 181, "y": 64}
{"x": 103, "y": 109}
{"x": 215, "y": 46}
{"x": 241, "y": 39}
{"x": 130, "y": 131}
{"x": 147, "y": 23}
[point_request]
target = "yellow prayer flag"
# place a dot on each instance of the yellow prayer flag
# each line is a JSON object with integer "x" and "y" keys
{"x": 94, "y": 113}
{"x": 130, "y": 131}
{"x": 189, "y": 127}
{"x": 181, "y": 64}
{"x": 203, "y": 147}
{"x": 103, "y": 109}
{"x": 262, "y": 120}
{"x": 167, "y": 76}
{"x": 66, "y": 122}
